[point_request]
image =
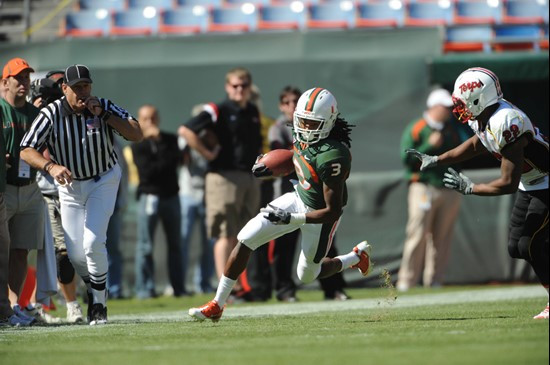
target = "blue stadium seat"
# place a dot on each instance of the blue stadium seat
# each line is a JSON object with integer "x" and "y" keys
{"x": 468, "y": 38}
{"x": 237, "y": 19}
{"x": 135, "y": 22}
{"x": 517, "y": 37}
{"x": 478, "y": 12}
{"x": 525, "y": 12}
{"x": 157, "y": 4}
{"x": 280, "y": 17}
{"x": 429, "y": 14}
{"x": 102, "y": 4}
{"x": 86, "y": 23}
{"x": 380, "y": 14}
{"x": 206, "y": 3}
{"x": 288, "y": 2}
{"x": 240, "y": 2}
{"x": 544, "y": 41}
{"x": 331, "y": 15}
{"x": 184, "y": 20}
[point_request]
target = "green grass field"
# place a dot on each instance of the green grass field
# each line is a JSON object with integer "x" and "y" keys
{"x": 456, "y": 325}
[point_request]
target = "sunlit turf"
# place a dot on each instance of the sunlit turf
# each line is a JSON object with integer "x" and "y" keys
{"x": 492, "y": 332}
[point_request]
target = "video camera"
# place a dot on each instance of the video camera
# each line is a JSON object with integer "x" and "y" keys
{"x": 46, "y": 89}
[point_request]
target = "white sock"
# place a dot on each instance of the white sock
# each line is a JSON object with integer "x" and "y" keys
{"x": 224, "y": 290}
{"x": 348, "y": 259}
{"x": 99, "y": 296}
{"x": 72, "y": 304}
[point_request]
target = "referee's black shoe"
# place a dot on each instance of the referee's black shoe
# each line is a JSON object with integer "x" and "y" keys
{"x": 99, "y": 314}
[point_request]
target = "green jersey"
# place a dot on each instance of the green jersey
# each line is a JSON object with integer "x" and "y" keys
{"x": 325, "y": 162}
{"x": 16, "y": 122}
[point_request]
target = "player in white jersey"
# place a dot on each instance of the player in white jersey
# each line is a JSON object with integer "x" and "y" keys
{"x": 506, "y": 132}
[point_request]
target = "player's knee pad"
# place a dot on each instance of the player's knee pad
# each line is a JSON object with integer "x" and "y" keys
{"x": 65, "y": 270}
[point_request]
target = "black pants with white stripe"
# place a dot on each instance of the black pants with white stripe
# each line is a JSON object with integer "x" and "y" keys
{"x": 529, "y": 231}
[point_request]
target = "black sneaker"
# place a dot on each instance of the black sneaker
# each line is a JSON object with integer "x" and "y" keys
{"x": 99, "y": 314}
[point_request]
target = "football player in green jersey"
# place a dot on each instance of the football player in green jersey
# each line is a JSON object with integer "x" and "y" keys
{"x": 322, "y": 161}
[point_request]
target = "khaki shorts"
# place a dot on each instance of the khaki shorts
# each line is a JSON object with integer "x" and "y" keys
{"x": 55, "y": 220}
{"x": 232, "y": 198}
{"x": 25, "y": 214}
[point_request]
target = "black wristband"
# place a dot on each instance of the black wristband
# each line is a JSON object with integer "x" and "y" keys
{"x": 46, "y": 165}
{"x": 105, "y": 115}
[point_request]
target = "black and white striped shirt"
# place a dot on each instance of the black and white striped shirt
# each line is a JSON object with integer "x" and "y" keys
{"x": 81, "y": 142}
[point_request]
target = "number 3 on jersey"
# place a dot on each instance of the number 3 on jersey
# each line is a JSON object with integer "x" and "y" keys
{"x": 336, "y": 169}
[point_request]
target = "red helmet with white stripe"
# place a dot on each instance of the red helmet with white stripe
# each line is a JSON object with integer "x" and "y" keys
{"x": 475, "y": 89}
{"x": 315, "y": 114}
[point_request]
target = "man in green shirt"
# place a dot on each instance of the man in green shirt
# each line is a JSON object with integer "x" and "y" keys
{"x": 24, "y": 203}
{"x": 432, "y": 208}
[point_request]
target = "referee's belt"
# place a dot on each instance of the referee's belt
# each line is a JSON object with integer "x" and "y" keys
{"x": 96, "y": 178}
{"x": 21, "y": 182}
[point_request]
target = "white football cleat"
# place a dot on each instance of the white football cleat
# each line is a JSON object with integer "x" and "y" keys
{"x": 363, "y": 251}
{"x": 543, "y": 314}
{"x": 210, "y": 310}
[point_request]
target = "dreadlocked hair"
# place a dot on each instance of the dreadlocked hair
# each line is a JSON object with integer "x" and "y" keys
{"x": 341, "y": 131}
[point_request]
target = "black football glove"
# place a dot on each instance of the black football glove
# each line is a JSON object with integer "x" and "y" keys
{"x": 259, "y": 169}
{"x": 276, "y": 215}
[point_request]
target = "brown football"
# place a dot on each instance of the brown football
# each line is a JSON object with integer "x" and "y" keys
{"x": 279, "y": 162}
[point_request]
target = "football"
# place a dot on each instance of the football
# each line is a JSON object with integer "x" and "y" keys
{"x": 279, "y": 162}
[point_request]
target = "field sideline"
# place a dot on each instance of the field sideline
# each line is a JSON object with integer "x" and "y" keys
{"x": 456, "y": 325}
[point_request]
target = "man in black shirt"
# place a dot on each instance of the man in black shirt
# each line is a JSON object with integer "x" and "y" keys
{"x": 232, "y": 193}
{"x": 157, "y": 158}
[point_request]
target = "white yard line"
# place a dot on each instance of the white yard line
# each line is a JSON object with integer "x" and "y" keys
{"x": 281, "y": 309}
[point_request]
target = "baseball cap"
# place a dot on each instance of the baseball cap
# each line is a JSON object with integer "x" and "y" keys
{"x": 75, "y": 74}
{"x": 439, "y": 97}
{"x": 14, "y": 67}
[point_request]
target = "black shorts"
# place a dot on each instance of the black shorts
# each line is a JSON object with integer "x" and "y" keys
{"x": 529, "y": 223}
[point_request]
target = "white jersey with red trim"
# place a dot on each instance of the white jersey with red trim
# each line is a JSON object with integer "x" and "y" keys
{"x": 505, "y": 126}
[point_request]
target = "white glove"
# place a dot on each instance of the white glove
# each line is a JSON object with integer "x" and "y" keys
{"x": 427, "y": 160}
{"x": 458, "y": 182}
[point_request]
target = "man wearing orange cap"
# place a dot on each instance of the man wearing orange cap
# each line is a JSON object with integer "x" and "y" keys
{"x": 24, "y": 203}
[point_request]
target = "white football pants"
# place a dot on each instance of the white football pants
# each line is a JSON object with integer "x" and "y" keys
{"x": 86, "y": 207}
{"x": 316, "y": 239}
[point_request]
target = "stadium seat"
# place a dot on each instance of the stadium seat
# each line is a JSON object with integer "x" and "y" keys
{"x": 135, "y": 22}
{"x": 429, "y": 14}
{"x": 101, "y": 4}
{"x": 468, "y": 38}
{"x": 280, "y": 17}
{"x": 210, "y": 4}
{"x": 381, "y": 14}
{"x": 331, "y": 15}
{"x": 184, "y": 20}
{"x": 234, "y": 19}
{"x": 517, "y": 37}
{"x": 86, "y": 23}
{"x": 288, "y": 2}
{"x": 241, "y": 2}
{"x": 157, "y": 4}
{"x": 478, "y": 12}
{"x": 525, "y": 12}
{"x": 544, "y": 41}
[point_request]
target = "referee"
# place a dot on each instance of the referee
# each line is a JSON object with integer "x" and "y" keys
{"x": 78, "y": 131}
